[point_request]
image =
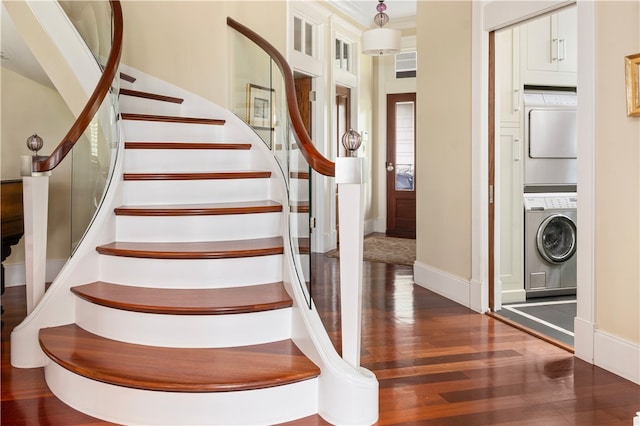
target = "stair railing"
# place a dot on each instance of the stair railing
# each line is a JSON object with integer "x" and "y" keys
{"x": 264, "y": 96}
{"x": 92, "y": 140}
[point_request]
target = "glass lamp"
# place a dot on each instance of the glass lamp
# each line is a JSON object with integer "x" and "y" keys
{"x": 351, "y": 140}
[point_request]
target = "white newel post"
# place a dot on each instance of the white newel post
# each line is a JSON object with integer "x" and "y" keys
{"x": 35, "y": 194}
{"x": 350, "y": 177}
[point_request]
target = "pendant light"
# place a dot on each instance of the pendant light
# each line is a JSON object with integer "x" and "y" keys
{"x": 381, "y": 41}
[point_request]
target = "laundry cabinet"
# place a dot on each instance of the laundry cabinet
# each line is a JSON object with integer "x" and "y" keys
{"x": 550, "y": 49}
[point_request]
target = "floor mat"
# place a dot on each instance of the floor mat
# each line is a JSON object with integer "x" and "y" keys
{"x": 554, "y": 319}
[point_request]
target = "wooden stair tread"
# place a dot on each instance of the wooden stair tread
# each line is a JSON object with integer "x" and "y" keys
{"x": 255, "y": 174}
{"x": 299, "y": 207}
{"x": 187, "y": 145}
{"x": 127, "y": 77}
{"x": 152, "y": 96}
{"x": 172, "y": 119}
{"x": 195, "y": 250}
{"x": 247, "y": 207}
{"x": 210, "y": 301}
{"x": 176, "y": 369}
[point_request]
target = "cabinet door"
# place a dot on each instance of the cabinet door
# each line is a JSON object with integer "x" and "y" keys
{"x": 568, "y": 40}
{"x": 508, "y": 76}
{"x": 511, "y": 216}
{"x": 541, "y": 44}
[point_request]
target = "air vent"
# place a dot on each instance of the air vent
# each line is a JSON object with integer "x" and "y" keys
{"x": 406, "y": 64}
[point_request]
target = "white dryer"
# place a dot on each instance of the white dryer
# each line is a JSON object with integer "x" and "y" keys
{"x": 550, "y": 221}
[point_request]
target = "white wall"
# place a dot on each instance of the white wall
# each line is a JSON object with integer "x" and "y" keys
{"x": 29, "y": 107}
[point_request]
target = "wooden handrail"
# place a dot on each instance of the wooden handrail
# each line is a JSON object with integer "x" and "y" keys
{"x": 94, "y": 102}
{"x": 315, "y": 159}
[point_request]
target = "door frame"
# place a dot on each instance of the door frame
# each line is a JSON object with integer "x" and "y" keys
{"x": 488, "y": 17}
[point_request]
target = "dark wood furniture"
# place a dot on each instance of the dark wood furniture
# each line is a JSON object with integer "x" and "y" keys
{"x": 11, "y": 216}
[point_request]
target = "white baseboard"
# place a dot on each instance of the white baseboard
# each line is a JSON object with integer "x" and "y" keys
{"x": 584, "y": 332}
{"x": 444, "y": 284}
{"x": 617, "y": 355}
{"x": 15, "y": 274}
{"x": 514, "y": 296}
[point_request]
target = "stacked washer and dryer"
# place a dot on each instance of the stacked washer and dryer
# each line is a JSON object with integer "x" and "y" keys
{"x": 550, "y": 198}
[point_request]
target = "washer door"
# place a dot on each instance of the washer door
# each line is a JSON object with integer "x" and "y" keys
{"x": 556, "y": 238}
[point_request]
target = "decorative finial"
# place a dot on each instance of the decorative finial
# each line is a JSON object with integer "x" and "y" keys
{"x": 35, "y": 143}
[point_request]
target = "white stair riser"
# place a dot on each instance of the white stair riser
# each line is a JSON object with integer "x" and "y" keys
{"x": 140, "y": 407}
{"x": 198, "y": 228}
{"x": 204, "y": 331}
{"x": 299, "y": 190}
{"x": 189, "y": 160}
{"x": 172, "y": 132}
{"x": 205, "y": 273}
{"x": 299, "y": 225}
{"x": 196, "y": 191}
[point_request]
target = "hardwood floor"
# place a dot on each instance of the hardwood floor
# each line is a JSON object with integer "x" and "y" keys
{"x": 437, "y": 362}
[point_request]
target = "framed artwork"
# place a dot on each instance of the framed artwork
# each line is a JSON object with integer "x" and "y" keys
{"x": 632, "y": 72}
{"x": 259, "y": 102}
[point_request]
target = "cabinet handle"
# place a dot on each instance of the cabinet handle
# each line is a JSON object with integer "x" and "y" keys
{"x": 516, "y": 100}
{"x": 516, "y": 149}
{"x": 564, "y": 49}
{"x": 556, "y": 50}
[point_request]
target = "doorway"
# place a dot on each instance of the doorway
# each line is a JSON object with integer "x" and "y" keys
{"x": 400, "y": 165}
{"x": 541, "y": 309}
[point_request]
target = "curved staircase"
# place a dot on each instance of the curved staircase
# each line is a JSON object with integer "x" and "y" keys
{"x": 188, "y": 320}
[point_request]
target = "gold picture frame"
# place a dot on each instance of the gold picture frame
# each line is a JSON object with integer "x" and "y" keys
{"x": 632, "y": 72}
{"x": 260, "y": 100}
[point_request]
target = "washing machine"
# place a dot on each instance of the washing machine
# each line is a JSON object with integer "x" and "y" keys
{"x": 550, "y": 221}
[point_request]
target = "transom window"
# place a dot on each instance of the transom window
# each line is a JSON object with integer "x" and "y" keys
{"x": 303, "y": 36}
{"x": 343, "y": 55}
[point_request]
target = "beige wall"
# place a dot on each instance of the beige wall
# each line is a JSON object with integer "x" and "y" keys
{"x": 617, "y": 177}
{"x": 443, "y": 147}
{"x": 186, "y": 43}
{"x": 29, "y": 107}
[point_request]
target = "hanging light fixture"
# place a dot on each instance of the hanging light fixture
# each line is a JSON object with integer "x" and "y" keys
{"x": 381, "y": 41}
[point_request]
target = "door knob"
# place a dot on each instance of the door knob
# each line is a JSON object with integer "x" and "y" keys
{"x": 389, "y": 167}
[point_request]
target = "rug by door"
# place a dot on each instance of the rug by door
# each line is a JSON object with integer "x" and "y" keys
{"x": 380, "y": 248}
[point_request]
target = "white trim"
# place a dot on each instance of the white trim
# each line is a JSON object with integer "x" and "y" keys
{"x": 617, "y": 355}
{"x": 480, "y": 158}
{"x": 15, "y": 276}
{"x": 585, "y": 315}
{"x": 441, "y": 282}
{"x": 513, "y": 296}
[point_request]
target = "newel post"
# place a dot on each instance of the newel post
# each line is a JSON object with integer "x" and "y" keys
{"x": 35, "y": 198}
{"x": 350, "y": 179}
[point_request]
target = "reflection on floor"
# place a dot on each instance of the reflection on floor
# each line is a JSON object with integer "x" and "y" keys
{"x": 551, "y": 316}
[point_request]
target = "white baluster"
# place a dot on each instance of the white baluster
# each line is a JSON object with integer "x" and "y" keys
{"x": 35, "y": 194}
{"x": 350, "y": 177}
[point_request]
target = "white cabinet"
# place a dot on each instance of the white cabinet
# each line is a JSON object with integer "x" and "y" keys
{"x": 511, "y": 216}
{"x": 508, "y": 77}
{"x": 550, "y": 49}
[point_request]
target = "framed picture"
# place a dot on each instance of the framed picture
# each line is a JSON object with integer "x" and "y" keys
{"x": 259, "y": 102}
{"x": 632, "y": 70}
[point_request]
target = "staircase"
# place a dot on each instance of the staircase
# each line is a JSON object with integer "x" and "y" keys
{"x": 187, "y": 317}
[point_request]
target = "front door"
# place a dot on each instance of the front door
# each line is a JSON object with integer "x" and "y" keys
{"x": 401, "y": 172}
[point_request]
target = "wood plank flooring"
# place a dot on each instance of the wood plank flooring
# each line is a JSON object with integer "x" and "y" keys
{"x": 438, "y": 363}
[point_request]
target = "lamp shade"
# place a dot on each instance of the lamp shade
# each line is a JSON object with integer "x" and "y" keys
{"x": 381, "y": 41}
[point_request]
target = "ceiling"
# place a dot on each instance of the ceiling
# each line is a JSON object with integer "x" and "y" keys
{"x": 15, "y": 54}
{"x": 17, "y": 57}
